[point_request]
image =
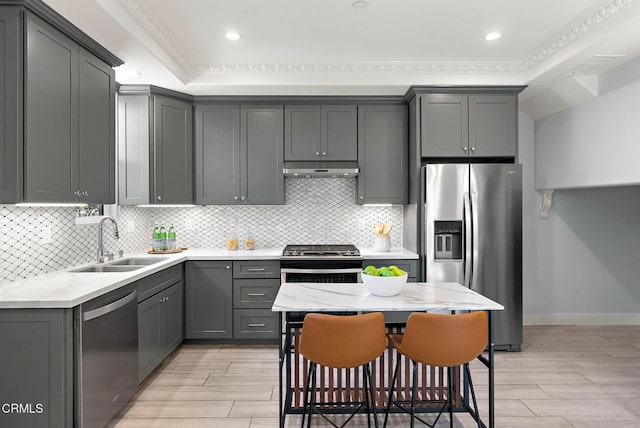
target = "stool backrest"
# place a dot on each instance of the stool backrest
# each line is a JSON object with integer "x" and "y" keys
{"x": 445, "y": 340}
{"x": 343, "y": 341}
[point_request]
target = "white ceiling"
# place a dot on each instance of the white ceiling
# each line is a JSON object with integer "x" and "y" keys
{"x": 326, "y": 47}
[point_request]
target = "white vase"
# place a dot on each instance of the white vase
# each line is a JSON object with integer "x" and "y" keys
{"x": 382, "y": 243}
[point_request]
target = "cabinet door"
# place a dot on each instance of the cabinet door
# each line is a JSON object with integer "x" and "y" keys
{"x": 217, "y": 160}
{"x": 302, "y": 133}
{"x": 10, "y": 106}
{"x": 36, "y": 366}
{"x": 51, "y": 114}
{"x": 171, "y": 320}
{"x": 492, "y": 125}
{"x": 208, "y": 300}
{"x": 133, "y": 149}
{"x": 149, "y": 349}
{"x": 382, "y": 154}
{"x": 173, "y": 151}
{"x": 445, "y": 125}
{"x": 339, "y": 136}
{"x": 96, "y": 133}
{"x": 261, "y": 154}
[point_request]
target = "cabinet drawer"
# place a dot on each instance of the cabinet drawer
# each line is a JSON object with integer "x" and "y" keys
{"x": 254, "y": 293}
{"x": 410, "y": 266}
{"x": 157, "y": 282}
{"x": 256, "y": 269}
{"x": 255, "y": 324}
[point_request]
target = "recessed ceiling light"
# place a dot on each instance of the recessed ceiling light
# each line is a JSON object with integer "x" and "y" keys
{"x": 359, "y": 4}
{"x": 492, "y": 36}
{"x": 232, "y": 35}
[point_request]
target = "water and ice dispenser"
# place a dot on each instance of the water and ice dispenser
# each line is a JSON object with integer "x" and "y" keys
{"x": 448, "y": 240}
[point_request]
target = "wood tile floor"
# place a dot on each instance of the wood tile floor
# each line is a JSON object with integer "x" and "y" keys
{"x": 566, "y": 376}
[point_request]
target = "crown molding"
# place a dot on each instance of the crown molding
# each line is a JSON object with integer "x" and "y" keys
{"x": 569, "y": 36}
{"x": 138, "y": 9}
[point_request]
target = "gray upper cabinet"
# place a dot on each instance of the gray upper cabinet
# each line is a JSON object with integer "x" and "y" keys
{"x": 97, "y": 127}
{"x": 58, "y": 113}
{"x": 321, "y": 133}
{"x": 10, "y": 105}
{"x": 155, "y": 150}
{"x": 382, "y": 154}
{"x": 173, "y": 151}
{"x": 456, "y": 125}
{"x": 492, "y": 125}
{"x": 217, "y": 160}
{"x": 239, "y": 154}
{"x": 51, "y": 114}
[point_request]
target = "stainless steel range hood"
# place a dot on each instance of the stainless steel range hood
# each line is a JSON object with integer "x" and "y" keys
{"x": 321, "y": 169}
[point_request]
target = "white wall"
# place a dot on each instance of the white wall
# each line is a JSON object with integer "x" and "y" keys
{"x": 592, "y": 144}
{"x": 581, "y": 265}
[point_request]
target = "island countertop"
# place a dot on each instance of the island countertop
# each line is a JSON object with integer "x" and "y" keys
{"x": 414, "y": 296}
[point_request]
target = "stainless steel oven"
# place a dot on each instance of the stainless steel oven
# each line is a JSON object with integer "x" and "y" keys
{"x": 320, "y": 263}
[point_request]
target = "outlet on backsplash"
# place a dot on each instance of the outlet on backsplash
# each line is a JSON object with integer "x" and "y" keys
{"x": 131, "y": 226}
{"x": 362, "y": 224}
{"x": 188, "y": 224}
{"x": 45, "y": 234}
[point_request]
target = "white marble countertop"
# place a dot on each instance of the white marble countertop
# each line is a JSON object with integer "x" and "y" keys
{"x": 64, "y": 289}
{"x": 394, "y": 253}
{"x": 418, "y": 296}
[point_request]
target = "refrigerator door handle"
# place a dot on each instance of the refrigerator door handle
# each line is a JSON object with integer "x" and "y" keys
{"x": 476, "y": 241}
{"x": 467, "y": 240}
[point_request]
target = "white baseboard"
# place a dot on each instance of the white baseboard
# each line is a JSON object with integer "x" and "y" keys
{"x": 612, "y": 318}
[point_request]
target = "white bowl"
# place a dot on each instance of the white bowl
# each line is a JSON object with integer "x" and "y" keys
{"x": 384, "y": 286}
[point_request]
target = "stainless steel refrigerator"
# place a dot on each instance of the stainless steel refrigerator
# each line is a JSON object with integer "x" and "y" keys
{"x": 471, "y": 226}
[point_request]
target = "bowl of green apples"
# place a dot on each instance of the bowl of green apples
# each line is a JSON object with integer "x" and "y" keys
{"x": 384, "y": 281}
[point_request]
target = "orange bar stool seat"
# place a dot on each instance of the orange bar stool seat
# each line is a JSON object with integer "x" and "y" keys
{"x": 341, "y": 342}
{"x": 440, "y": 340}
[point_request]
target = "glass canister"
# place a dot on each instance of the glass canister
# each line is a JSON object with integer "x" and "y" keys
{"x": 232, "y": 242}
{"x": 249, "y": 241}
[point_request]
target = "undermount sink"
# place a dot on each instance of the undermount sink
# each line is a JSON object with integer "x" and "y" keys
{"x": 106, "y": 268}
{"x": 137, "y": 261}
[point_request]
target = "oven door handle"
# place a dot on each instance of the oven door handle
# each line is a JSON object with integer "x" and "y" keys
{"x": 323, "y": 271}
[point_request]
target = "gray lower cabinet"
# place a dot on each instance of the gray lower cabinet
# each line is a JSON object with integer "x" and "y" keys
{"x": 239, "y": 154}
{"x": 255, "y": 285}
{"x": 69, "y": 120}
{"x": 320, "y": 133}
{"x": 155, "y": 146}
{"x": 208, "y": 300}
{"x": 36, "y": 367}
{"x": 160, "y": 328}
{"x": 383, "y": 154}
{"x": 461, "y": 125}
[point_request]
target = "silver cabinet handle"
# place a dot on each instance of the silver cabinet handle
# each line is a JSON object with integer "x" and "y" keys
{"x": 242, "y": 198}
{"x": 159, "y": 198}
{"x": 465, "y": 149}
{"x": 77, "y": 193}
{"x": 85, "y": 193}
{"x": 361, "y": 197}
{"x": 256, "y": 294}
{"x": 324, "y": 153}
{"x": 227, "y": 267}
{"x": 235, "y": 198}
{"x": 257, "y": 324}
{"x": 256, "y": 270}
{"x": 317, "y": 153}
{"x": 473, "y": 149}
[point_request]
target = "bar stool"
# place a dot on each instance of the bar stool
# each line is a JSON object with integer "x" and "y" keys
{"x": 341, "y": 342}
{"x": 439, "y": 340}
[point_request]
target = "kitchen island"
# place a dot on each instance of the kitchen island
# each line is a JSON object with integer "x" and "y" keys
{"x": 335, "y": 385}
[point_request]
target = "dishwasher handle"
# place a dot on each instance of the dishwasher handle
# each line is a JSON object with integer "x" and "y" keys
{"x": 113, "y": 306}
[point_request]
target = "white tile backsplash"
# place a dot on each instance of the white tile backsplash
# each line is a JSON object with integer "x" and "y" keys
{"x": 318, "y": 210}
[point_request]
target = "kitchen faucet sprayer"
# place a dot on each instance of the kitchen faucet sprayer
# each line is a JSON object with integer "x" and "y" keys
{"x": 116, "y": 234}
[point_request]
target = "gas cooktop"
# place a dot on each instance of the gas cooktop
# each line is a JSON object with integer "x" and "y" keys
{"x": 320, "y": 251}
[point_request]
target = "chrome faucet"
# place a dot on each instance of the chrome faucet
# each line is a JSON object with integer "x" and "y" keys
{"x": 116, "y": 235}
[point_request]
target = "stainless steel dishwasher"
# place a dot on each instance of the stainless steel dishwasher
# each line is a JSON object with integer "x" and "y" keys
{"x": 106, "y": 350}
